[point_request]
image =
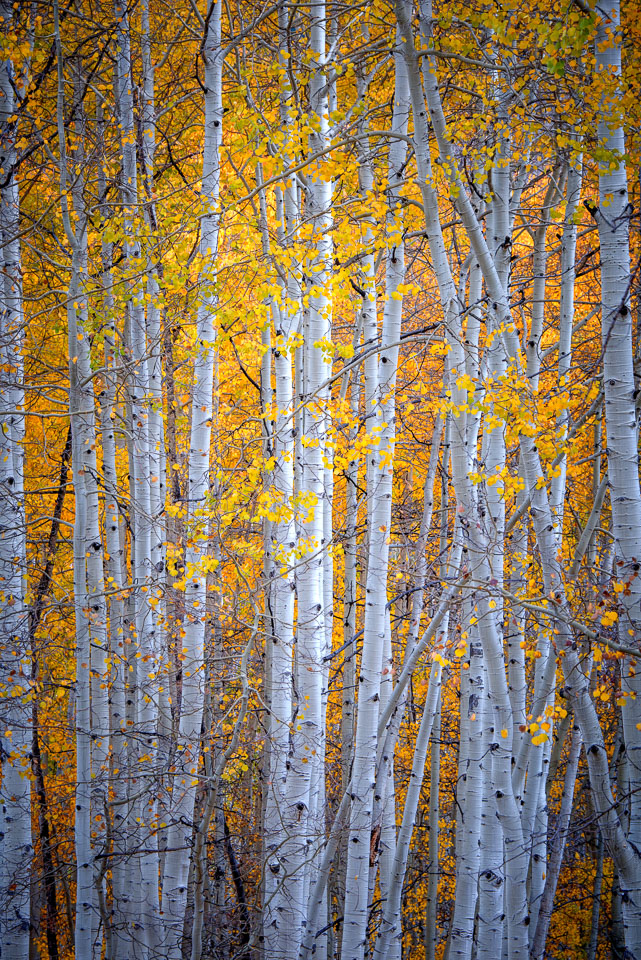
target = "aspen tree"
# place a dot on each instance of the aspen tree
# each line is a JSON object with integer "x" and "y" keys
{"x": 534, "y": 807}
{"x": 470, "y": 791}
{"x": 15, "y": 819}
{"x": 545, "y": 908}
{"x": 303, "y": 815}
{"x": 157, "y": 458}
{"x": 477, "y": 535}
{"x": 186, "y": 756}
{"x": 394, "y": 852}
{"x": 115, "y": 569}
{"x": 305, "y": 787}
{"x": 620, "y": 417}
{"x": 145, "y": 903}
{"x": 431, "y": 926}
{"x": 91, "y": 714}
{"x": 389, "y": 939}
{"x": 380, "y": 475}
{"x": 471, "y": 773}
{"x": 260, "y": 809}
{"x": 286, "y": 321}
{"x": 543, "y": 525}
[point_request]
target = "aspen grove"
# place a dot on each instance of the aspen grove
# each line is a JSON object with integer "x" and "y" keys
{"x": 320, "y": 508}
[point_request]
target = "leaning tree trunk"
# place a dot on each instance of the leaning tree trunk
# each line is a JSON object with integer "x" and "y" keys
{"x": 623, "y": 852}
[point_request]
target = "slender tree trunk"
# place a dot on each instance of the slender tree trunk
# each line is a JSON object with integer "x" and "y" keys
{"x": 37, "y": 609}
{"x": 380, "y": 496}
{"x": 15, "y": 658}
{"x": 186, "y": 758}
{"x": 431, "y": 906}
{"x": 613, "y": 218}
{"x": 537, "y": 947}
{"x": 391, "y": 927}
{"x": 575, "y": 680}
{"x": 470, "y": 793}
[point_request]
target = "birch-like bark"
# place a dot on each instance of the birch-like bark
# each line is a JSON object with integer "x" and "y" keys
{"x": 95, "y": 613}
{"x": 15, "y": 655}
{"x": 593, "y": 942}
{"x": 385, "y": 802}
{"x": 115, "y": 568}
{"x": 492, "y": 507}
{"x": 186, "y": 758}
{"x": 388, "y": 943}
{"x": 576, "y": 683}
{"x": 383, "y": 842}
{"x": 385, "y": 720}
{"x": 535, "y": 817}
{"x": 537, "y": 947}
{"x": 304, "y": 816}
{"x": 157, "y": 711}
{"x": 566, "y": 322}
{"x": 430, "y": 936}
{"x": 350, "y": 552}
{"x": 470, "y": 792}
{"x": 286, "y": 319}
{"x": 156, "y": 438}
{"x": 380, "y": 494}
{"x": 491, "y": 862}
{"x": 144, "y": 474}
{"x": 477, "y": 547}
{"x": 89, "y": 601}
{"x": 421, "y": 565}
{"x": 613, "y": 218}
{"x": 539, "y": 271}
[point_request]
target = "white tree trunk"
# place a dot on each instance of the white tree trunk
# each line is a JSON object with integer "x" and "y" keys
{"x": 576, "y": 684}
{"x": 304, "y": 817}
{"x": 620, "y": 417}
{"x": 470, "y": 792}
{"x": 544, "y": 912}
{"x": 15, "y": 658}
{"x": 187, "y": 754}
{"x": 89, "y": 599}
{"x": 380, "y": 503}
{"x": 145, "y": 475}
{"x": 431, "y": 906}
{"x": 391, "y": 931}
{"x": 286, "y": 320}
{"x": 476, "y": 529}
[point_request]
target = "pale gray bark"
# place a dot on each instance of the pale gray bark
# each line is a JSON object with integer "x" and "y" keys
{"x": 469, "y": 792}
{"x": 143, "y": 467}
{"x": 89, "y": 603}
{"x": 388, "y": 943}
{"x": 15, "y": 667}
{"x": 380, "y": 475}
{"x": 431, "y": 934}
{"x": 537, "y": 946}
{"x": 491, "y": 863}
{"x": 413, "y": 657}
{"x": 540, "y": 508}
{"x": 287, "y": 319}
{"x": 186, "y": 757}
{"x": 620, "y": 416}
